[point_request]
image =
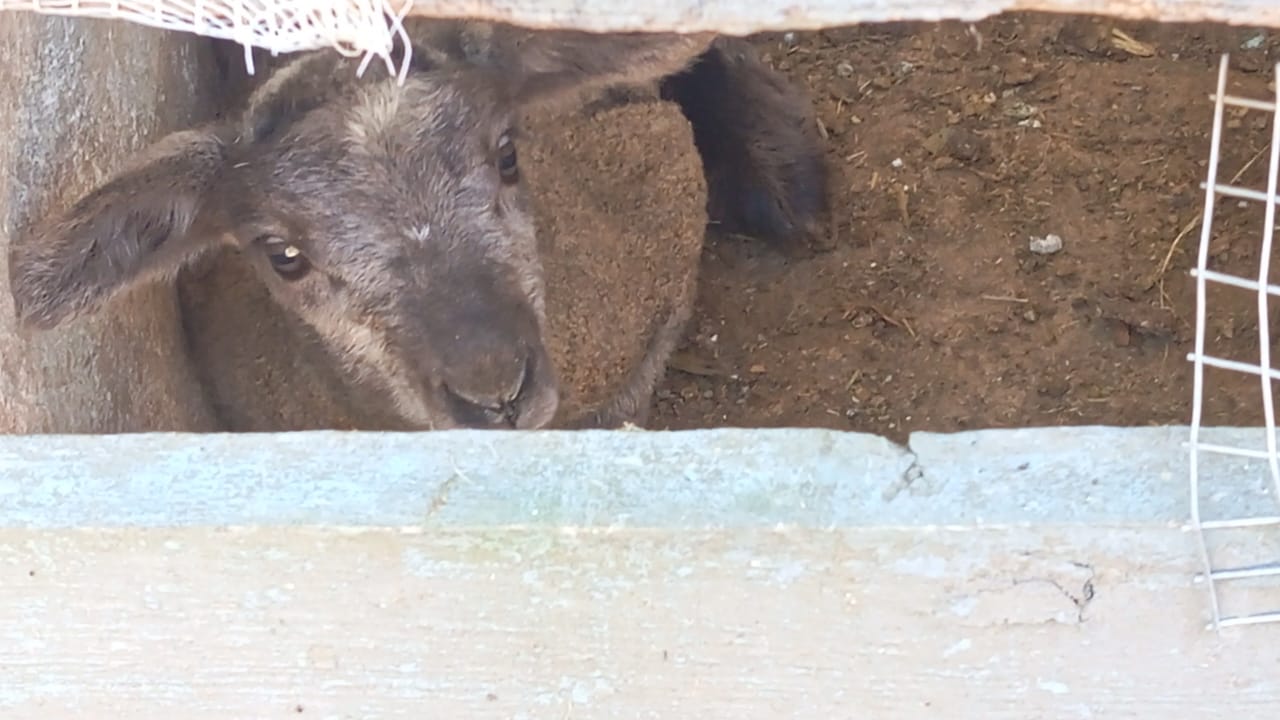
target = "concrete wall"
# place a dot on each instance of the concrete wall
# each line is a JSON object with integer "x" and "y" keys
{"x": 712, "y": 574}
{"x": 79, "y": 96}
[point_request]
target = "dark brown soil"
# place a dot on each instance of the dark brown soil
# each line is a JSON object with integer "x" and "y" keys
{"x": 925, "y": 309}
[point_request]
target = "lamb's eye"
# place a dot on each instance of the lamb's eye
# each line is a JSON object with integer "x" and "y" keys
{"x": 508, "y": 167}
{"x": 286, "y": 258}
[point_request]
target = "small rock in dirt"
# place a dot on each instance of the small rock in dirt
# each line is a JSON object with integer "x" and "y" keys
{"x": 1248, "y": 62}
{"x": 935, "y": 142}
{"x": 1087, "y": 35}
{"x": 1030, "y": 315}
{"x": 1139, "y": 317}
{"x": 1055, "y": 388}
{"x": 844, "y": 69}
{"x": 847, "y": 89}
{"x": 789, "y": 39}
{"x": 977, "y": 105}
{"x": 1019, "y": 110}
{"x": 1019, "y": 75}
{"x": 897, "y": 163}
{"x": 1254, "y": 42}
{"x": 958, "y": 143}
{"x": 1047, "y": 245}
{"x": 1046, "y": 95}
{"x": 757, "y": 369}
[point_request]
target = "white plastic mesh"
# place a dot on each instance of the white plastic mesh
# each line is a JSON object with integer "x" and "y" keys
{"x": 366, "y": 28}
{"x": 1229, "y": 545}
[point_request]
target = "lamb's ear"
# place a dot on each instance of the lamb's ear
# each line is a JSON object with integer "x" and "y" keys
{"x": 140, "y": 225}
{"x": 539, "y": 65}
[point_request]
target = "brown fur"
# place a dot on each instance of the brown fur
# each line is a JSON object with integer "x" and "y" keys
{"x": 621, "y": 277}
{"x": 428, "y": 292}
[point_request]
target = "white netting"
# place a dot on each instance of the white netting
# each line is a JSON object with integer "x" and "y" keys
{"x": 352, "y": 27}
{"x": 1232, "y": 553}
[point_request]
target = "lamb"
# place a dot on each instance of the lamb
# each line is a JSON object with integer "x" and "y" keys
{"x": 619, "y": 286}
{"x": 356, "y": 253}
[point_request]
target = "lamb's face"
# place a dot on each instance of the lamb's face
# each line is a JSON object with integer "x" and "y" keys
{"x": 395, "y": 224}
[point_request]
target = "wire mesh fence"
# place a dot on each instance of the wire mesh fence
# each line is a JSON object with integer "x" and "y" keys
{"x": 1224, "y": 541}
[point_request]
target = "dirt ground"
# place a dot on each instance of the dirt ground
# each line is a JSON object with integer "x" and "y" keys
{"x": 924, "y": 308}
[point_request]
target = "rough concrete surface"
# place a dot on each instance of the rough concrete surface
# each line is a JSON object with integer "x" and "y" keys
{"x": 1009, "y": 574}
{"x": 708, "y": 478}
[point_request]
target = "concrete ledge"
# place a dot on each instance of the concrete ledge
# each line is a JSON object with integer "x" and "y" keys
{"x": 696, "y": 479}
{"x": 711, "y": 574}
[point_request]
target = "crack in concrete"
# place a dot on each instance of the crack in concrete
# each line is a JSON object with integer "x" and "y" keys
{"x": 1082, "y": 599}
{"x": 914, "y": 473}
{"x": 440, "y": 497}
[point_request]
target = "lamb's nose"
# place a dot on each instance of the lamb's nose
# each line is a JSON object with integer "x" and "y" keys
{"x": 488, "y": 392}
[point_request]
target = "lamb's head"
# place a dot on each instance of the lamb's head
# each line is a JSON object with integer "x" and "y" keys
{"x": 395, "y": 224}
{"x": 391, "y": 218}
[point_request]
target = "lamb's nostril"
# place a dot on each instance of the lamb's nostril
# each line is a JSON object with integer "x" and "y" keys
{"x": 518, "y": 394}
{"x": 473, "y": 411}
{"x": 488, "y": 409}
{"x": 523, "y": 382}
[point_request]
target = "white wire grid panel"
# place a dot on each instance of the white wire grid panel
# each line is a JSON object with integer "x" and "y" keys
{"x": 1218, "y": 573}
{"x": 352, "y": 27}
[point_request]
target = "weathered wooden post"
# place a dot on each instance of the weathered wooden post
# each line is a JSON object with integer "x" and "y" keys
{"x": 80, "y": 96}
